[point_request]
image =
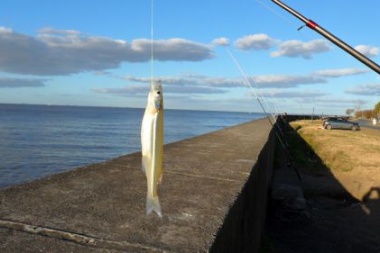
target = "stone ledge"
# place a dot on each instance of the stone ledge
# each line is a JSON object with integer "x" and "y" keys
{"x": 105, "y": 202}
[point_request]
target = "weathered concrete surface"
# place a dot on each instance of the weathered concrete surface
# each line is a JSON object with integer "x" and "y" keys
{"x": 242, "y": 228}
{"x": 101, "y": 208}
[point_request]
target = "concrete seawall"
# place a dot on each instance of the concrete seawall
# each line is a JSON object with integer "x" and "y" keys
{"x": 213, "y": 199}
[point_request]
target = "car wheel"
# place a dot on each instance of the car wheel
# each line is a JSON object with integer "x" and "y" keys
{"x": 354, "y": 128}
{"x": 328, "y": 127}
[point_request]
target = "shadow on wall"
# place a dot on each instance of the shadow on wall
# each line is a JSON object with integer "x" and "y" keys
{"x": 332, "y": 220}
{"x": 242, "y": 227}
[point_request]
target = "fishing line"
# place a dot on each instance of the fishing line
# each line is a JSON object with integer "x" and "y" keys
{"x": 266, "y": 100}
{"x": 253, "y": 90}
{"x": 286, "y": 19}
{"x": 276, "y": 13}
{"x": 248, "y": 83}
{"x": 283, "y": 142}
{"x": 151, "y": 42}
{"x": 271, "y": 118}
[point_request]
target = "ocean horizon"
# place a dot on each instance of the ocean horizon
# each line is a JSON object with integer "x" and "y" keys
{"x": 41, "y": 140}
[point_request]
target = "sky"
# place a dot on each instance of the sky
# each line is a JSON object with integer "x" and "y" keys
{"x": 241, "y": 55}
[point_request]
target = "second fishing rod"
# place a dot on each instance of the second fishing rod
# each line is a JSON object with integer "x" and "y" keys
{"x": 313, "y": 25}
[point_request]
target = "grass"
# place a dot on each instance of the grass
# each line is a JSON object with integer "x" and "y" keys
{"x": 340, "y": 150}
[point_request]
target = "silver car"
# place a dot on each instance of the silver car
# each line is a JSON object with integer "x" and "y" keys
{"x": 335, "y": 123}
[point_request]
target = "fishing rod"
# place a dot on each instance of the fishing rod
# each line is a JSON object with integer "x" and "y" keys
{"x": 314, "y": 26}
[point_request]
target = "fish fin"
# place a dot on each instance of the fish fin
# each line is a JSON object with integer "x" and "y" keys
{"x": 153, "y": 204}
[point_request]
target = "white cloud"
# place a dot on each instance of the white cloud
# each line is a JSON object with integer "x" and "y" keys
{"x": 221, "y": 42}
{"x": 296, "y": 48}
{"x": 130, "y": 90}
{"x": 372, "y": 89}
{"x": 369, "y": 51}
{"x": 196, "y": 80}
{"x": 52, "y": 31}
{"x": 263, "y": 81}
{"x": 140, "y": 90}
{"x": 255, "y": 42}
{"x": 286, "y": 90}
{"x": 331, "y": 101}
{"x": 175, "y": 49}
{"x": 62, "y": 52}
{"x": 285, "y": 81}
{"x": 292, "y": 94}
{"x": 194, "y": 89}
{"x": 199, "y": 84}
{"x": 20, "y": 82}
{"x": 5, "y": 30}
{"x": 340, "y": 72}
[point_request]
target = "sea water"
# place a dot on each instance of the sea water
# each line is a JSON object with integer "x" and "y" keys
{"x": 38, "y": 140}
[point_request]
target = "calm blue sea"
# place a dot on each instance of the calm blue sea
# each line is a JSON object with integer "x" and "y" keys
{"x": 37, "y": 140}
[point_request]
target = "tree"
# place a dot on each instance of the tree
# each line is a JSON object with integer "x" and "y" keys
{"x": 349, "y": 111}
{"x": 358, "y": 108}
{"x": 367, "y": 114}
{"x": 377, "y": 109}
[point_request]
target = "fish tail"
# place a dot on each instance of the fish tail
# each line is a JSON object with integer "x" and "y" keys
{"x": 153, "y": 204}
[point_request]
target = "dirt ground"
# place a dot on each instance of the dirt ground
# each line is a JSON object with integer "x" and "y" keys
{"x": 341, "y": 211}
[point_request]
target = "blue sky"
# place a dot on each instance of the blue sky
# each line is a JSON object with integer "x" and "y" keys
{"x": 98, "y": 53}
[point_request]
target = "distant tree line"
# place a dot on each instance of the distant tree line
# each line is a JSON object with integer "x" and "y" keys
{"x": 368, "y": 114}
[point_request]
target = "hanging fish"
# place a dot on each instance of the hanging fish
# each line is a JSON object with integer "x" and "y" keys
{"x": 152, "y": 145}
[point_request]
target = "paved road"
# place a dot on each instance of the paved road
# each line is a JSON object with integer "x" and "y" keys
{"x": 368, "y": 124}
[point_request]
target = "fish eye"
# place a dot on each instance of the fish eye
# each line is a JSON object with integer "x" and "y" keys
{"x": 158, "y": 92}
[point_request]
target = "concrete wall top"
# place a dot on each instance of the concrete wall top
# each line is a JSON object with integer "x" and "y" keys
{"x": 101, "y": 208}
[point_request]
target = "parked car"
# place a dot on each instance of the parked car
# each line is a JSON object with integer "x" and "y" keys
{"x": 333, "y": 118}
{"x": 335, "y": 123}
